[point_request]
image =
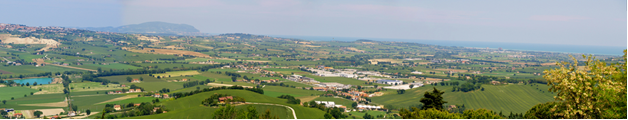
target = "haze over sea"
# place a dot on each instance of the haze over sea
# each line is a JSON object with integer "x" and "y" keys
{"x": 596, "y": 50}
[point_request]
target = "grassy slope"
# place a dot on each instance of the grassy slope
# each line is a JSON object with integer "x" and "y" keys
{"x": 515, "y": 98}
{"x": 190, "y": 107}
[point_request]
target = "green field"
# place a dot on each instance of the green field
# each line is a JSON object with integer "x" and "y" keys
{"x": 94, "y": 86}
{"x": 29, "y": 69}
{"x": 156, "y": 86}
{"x": 15, "y": 92}
{"x": 506, "y": 98}
{"x": 90, "y": 102}
{"x": 279, "y": 90}
{"x": 107, "y": 67}
{"x": 190, "y": 107}
{"x": 358, "y": 114}
{"x": 122, "y": 78}
{"x": 134, "y": 100}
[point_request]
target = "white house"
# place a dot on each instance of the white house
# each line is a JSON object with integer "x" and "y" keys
{"x": 327, "y": 103}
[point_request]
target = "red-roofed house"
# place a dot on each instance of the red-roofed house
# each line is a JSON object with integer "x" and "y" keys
{"x": 136, "y": 81}
{"x": 166, "y": 96}
{"x": 222, "y": 99}
{"x": 117, "y": 107}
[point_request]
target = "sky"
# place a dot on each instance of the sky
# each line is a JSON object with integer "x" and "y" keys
{"x": 572, "y": 22}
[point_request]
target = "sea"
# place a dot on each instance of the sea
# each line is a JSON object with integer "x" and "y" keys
{"x": 576, "y": 49}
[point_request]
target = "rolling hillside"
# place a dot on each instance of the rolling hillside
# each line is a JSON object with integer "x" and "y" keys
{"x": 190, "y": 107}
{"x": 515, "y": 98}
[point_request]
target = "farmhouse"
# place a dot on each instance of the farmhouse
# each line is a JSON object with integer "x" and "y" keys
{"x": 157, "y": 95}
{"x": 166, "y": 96}
{"x": 117, "y": 107}
{"x": 136, "y": 81}
{"x": 223, "y": 99}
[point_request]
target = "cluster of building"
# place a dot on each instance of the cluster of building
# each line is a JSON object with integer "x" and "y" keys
{"x": 348, "y": 73}
{"x": 157, "y": 95}
{"x": 301, "y": 79}
{"x": 130, "y": 91}
{"x": 330, "y": 104}
{"x": 24, "y": 28}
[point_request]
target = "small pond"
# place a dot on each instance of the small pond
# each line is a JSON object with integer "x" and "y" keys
{"x": 33, "y": 80}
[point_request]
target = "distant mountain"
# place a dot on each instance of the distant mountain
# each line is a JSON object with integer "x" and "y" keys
{"x": 150, "y": 28}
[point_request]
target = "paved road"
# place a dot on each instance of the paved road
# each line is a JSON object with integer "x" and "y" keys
{"x": 293, "y": 113}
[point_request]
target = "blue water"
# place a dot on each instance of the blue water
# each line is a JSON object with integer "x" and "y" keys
{"x": 32, "y": 80}
{"x": 596, "y": 50}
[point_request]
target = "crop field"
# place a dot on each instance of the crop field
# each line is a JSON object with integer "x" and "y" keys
{"x": 290, "y": 91}
{"x": 168, "y": 52}
{"x": 90, "y": 102}
{"x": 28, "y": 69}
{"x": 506, "y": 98}
{"x": 107, "y": 67}
{"x": 15, "y": 92}
{"x": 133, "y": 100}
{"x": 156, "y": 86}
{"x": 48, "y": 88}
{"x": 33, "y": 99}
{"x": 94, "y": 86}
{"x": 122, "y": 78}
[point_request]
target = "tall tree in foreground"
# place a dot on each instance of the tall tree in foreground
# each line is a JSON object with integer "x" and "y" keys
{"x": 433, "y": 100}
{"x": 593, "y": 91}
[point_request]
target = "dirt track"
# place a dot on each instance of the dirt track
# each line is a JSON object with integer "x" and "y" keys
{"x": 118, "y": 99}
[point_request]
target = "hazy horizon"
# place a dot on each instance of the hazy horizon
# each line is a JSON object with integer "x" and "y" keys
{"x": 573, "y": 22}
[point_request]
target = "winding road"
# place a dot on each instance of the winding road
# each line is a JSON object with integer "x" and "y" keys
{"x": 293, "y": 113}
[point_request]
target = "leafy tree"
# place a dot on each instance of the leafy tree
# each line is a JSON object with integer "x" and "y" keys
{"x": 38, "y": 113}
{"x": 129, "y": 79}
{"x": 593, "y": 91}
{"x": 88, "y": 112}
{"x": 328, "y": 116}
{"x": 543, "y": 111}
{"x": 367, "y": 116}
{"x": 4, "y": 102}
{"x": 430, "y": 113}
{"x": 354, "y": 105}
{"x": 433, "y": 100}
{"x": 480, "y": 114}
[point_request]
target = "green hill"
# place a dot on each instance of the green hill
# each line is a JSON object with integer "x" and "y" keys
{"x": 190, "y": 107}
{"x": 507, "y": 98}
